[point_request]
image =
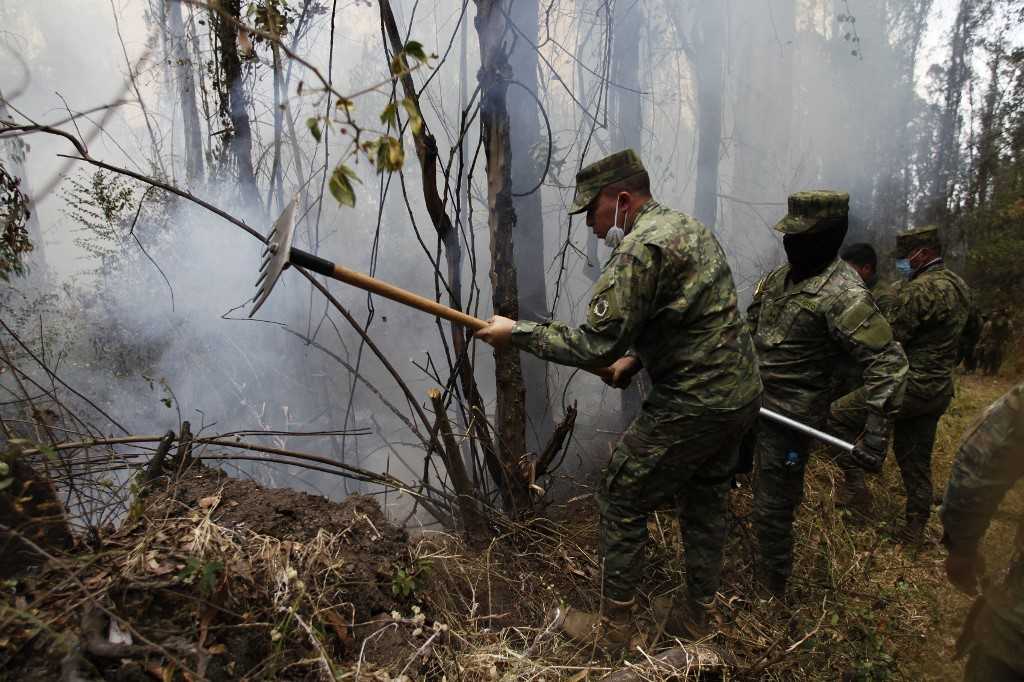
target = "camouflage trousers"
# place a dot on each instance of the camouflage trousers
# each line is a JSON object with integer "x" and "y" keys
{"x": 778, "y": 491}
{"x": 912, "y": 443}
{"x": 981, "y": 667}
{"x": 998, "y": 630}
{"x": 662, "y": 461}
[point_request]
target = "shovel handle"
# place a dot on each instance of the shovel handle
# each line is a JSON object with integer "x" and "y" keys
{"x": 381, "y": 288}
{"x": 397, "y": 294}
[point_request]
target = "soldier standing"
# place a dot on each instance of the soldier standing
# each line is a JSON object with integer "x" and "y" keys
{"x": 990, "y": 461}
{"x": 806, "y": 316}
{"x": 863, "y": 258}
{"x": 930, "y": 314}
{"x": 665, "y": 301}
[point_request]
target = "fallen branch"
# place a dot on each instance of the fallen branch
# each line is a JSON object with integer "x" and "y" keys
{"x": 678, "y": 661}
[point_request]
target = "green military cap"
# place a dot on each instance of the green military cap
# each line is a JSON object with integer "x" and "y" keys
{"x": 914, "y": 239}
{"x": 598, "y": 175}
{"x": 808, "y": 210}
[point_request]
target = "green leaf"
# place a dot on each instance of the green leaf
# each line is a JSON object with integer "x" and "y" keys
{"x": 6, "y": 483}
{"x": 390, "y": 115}
{"x": 344, "y": 104}
{"x": 390, "y": 155}
{"x": 414, "y": 49}
{"x": 341, "y": 185}
{"x": 314, "y": 127}
{"x": 413, "y": 112}
{"x": 50, "y": 453}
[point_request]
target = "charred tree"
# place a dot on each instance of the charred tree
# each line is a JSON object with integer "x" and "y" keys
{"x": 233, "y": 103}
{"x": 504, "y": 476}
{"x": 494, "y": 76}
{"x": 528, "y": 169}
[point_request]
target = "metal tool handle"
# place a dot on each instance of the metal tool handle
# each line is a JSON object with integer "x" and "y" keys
{"x": 803, "y": 428}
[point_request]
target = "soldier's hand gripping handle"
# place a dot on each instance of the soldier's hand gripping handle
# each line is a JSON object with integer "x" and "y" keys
{"x": 870, "y": 447}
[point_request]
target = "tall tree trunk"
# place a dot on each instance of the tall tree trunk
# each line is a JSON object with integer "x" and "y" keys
{"x": 503, "y": 472}
{"x": 234, "y": 104}
{"x": 626, "y": 132}
{"x": 763, "y": 111}
{"x": 709, "y": 48}
{"x": 988, "y": 135}
{"x": 957, "y": 73}
{"x": 276, "y": 171}
{"x": 494, "y": 77}
{"x": 528, "y": 168}
{"x": 703, "y": 39}
{"x": 183, "y": 70}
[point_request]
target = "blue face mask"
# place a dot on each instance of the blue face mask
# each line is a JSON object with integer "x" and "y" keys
{"x": 903, "y": 267}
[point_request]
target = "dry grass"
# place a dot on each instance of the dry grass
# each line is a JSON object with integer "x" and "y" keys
{"x": 862, "y": 606}
{"x": 228, "y": 601}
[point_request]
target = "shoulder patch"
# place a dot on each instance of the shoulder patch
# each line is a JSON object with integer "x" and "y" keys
{"x": 862, "y": 322}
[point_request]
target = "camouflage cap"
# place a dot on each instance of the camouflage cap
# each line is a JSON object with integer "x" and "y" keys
{"x": 598, "y": 175}
{"x": 808, "y": 210}
{"x": 911, "y": 240}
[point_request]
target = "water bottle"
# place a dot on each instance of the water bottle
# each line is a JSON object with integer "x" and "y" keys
{"x": 792, "y": 459}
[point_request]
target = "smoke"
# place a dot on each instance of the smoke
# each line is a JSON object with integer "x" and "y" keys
{"x": 803, "y": 95}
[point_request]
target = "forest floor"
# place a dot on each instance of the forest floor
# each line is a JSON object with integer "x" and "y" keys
{"x": 218, "y": 578}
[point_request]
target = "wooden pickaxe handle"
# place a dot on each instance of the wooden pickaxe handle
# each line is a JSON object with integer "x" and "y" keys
{"x": 326, "y": 268}
{"x": 382, "y": 288}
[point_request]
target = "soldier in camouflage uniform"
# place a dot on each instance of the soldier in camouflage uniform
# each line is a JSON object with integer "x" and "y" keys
{"x": 929, "y": 316}
{"x": 665, "y": 301}
{"x": 806, "y": 316}
{"x": 990, "y": 461}
{"x": 861, "y": 257}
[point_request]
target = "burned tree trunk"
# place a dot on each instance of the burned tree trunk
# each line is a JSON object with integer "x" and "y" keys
{"x": 233, "y": 102}
{"x": 627, "y": 115}
{"x": 528, "y": 170}
{"x": 494, "y": 77}
{"x": 504, "y": 476}
{"x": 183, "y": 66}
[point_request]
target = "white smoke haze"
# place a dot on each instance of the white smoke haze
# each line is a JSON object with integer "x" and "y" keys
{"x": 803, "y": 100}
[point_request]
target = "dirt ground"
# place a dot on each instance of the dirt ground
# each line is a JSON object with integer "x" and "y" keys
{"x": 220, "y": 579}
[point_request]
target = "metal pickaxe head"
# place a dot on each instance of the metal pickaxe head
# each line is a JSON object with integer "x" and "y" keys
{"x": 276, "y": 256}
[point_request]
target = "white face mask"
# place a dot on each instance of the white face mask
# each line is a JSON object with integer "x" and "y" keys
{"x": 615, "y": 233}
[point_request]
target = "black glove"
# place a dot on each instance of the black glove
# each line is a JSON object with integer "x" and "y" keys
{"x": 870, "y": 447}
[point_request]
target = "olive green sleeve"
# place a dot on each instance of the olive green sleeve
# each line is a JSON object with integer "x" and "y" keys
{"x": 990, "y": 460}
{"x": 754, "y": 309}
{"x": 907, "y": 311}
{"x": 864, "y": 333}
{"x": 622, "y": 300}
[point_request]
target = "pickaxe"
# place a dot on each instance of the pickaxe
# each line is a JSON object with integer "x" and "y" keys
{"x": 280, "y": 253}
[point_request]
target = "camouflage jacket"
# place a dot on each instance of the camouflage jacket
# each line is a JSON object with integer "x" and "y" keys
{"x": 667, "y": 295}
{"x": 885, "y": 295}
{"x": 989, "y": 462}
{"x": 847, "y": 373}
{"x": 929, "y": 316}
{"x": 801, "y": 331}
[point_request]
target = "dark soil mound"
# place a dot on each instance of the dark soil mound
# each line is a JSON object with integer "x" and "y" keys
{"x": 221, "y": 579}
